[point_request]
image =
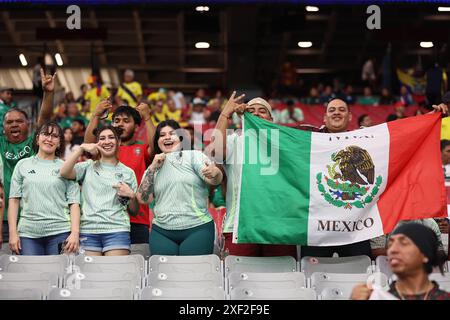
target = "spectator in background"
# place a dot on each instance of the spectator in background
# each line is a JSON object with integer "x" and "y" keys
{"x": 291, "y": 114}
{"x": 327, "y": 95}
{"x": 365, "y": 121}
{"x": 6, "y": 103}
{"x": 78, "y": 127}
{"x": 178, "y": 99}
{"x": 68, "y": 142}
{"x": 386, "y": 97}
{"x": 68, "y": 97}
{"x": 368, "y": 75}
{"x": 399, "y": 113}
{"x": 84, "y": 90}
{"x": 130, "y": 91}
{"x": 86, "y": 110}
{"x": 107, "y": 194}
{"x": 198, "y": 112}
{"x": 214, "y": 110}
{"x": 368, "y": 99}
{"x": 51, "y": 208}
{"x": 435, "y": 84}
{"x": 412, "y": 253}
{"x": 406, "y": 98}
{"x": 158, "y": 107}
{"x": 349, "y": 98}
{"x": 72, "y": 114}
{"x": 97, "y": 93}
{"x": 172, "y": 112}
{"x": 313, "y": 98}
{"x": 201, "y": 94}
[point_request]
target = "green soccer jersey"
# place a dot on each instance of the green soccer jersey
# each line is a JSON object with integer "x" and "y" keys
{"x": 102, "y": 212}
{"x": 45, "y": 197}
{"x": 181, "y": 192}
{"x": 11, "y": 154}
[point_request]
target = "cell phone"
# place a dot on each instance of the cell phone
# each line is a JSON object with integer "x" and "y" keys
{"x": 104, "y": 114}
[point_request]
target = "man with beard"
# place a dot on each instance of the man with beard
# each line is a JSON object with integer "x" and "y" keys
{"x": 132, "y": 153}
{"x": 16, "y": 142}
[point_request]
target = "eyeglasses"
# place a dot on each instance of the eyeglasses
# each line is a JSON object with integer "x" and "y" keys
{"x": 52, "y": 135}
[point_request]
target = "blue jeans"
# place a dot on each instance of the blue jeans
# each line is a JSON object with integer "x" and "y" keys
{"x": 42, "y": 246}
{"x": 102, "y": 242}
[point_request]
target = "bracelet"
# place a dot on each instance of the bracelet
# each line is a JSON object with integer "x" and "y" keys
{"x": 222, "y": 115}
{"x": 148, "y": 119}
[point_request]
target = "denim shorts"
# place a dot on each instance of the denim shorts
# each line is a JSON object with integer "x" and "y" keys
{"x": 102, "y": 242}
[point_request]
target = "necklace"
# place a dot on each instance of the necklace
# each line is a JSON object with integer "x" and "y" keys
{"x": 425, "y": 297}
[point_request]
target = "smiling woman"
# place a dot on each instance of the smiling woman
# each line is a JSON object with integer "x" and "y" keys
{"x": 108, "y": 191}
{"x": 44, "y": 220}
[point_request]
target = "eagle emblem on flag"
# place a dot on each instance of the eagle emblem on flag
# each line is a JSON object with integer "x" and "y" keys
{"x": 350, "y": 180}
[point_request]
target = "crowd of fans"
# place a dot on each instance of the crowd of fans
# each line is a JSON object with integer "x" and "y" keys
{"x": 94, "y": 140}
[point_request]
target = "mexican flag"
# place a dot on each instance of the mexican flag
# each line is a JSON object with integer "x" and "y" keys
{"x": 308, "y": 188}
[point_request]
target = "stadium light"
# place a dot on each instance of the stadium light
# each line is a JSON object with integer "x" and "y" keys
{"x": 59, "y": 60}
{"x": 444, "y": 9}
{"x": 23, "y": 60}
{"x": 202, "y": 8}
{"x": 305, "y": 44}
{"x": 312, "y": 8}
{"x": 202, "y": 45}
{"x": 426, "y": 44}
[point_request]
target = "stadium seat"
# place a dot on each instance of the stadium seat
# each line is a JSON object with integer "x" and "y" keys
{"x": 91, "y": 294}
{"x": 141, "y": 248}
{"x": 282, "y": 280}
{"x": 259, "y": 264}
{"x": 246, "y": 293}
{"x": 21, "y": 294}
{"x": 442, "y": 280}
{"x": 5, "y": 249}
{"x": 110, "y": 264}
{"x": 339, "y": 286}
{"x": 58, "y": 264}
{"x": 153, "y": 293}
{"x": 355, "y": 264}
{"x": 94, "y": 280}
{"x": 185, "y": 280}
{"x": 182, "y": 264}
{"x": 44, "y": 282}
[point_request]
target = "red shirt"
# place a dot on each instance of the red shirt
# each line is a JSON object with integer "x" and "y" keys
{"x": 136, "y": 157}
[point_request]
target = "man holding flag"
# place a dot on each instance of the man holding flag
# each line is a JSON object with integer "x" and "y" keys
{"x": 330, "y": 189}
{"x": 227, "y": 150}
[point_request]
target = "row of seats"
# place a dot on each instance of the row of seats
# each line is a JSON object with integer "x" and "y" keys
{"x": 188, "y": 277}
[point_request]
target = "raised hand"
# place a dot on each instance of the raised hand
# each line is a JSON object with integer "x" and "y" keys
{"x": 48, "y": 81}
{"x": 91, "y": 148}
{"x": 144, "y": 111}
{"x": 210, "y": 170}
{"x": 234, "y": 105}
{"x": 102, "y": 107}
{"x": 158, "y": 161}
{"x": 441, "y": 108}
{"x": 124, "y": 190}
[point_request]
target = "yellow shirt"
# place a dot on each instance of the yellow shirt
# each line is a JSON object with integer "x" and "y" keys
{"x": 94, "y": 100}
{"x": 176, "y": 115}
{"x": 445, "y": 129}
{"x": 135, "y": 88}
{"x": 161, "y": 116}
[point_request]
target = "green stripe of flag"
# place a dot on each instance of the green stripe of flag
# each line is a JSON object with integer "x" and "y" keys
{"x": 274, "y": 195}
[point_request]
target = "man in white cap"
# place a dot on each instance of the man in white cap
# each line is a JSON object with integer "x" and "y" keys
{"x": 225, "y": 148}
